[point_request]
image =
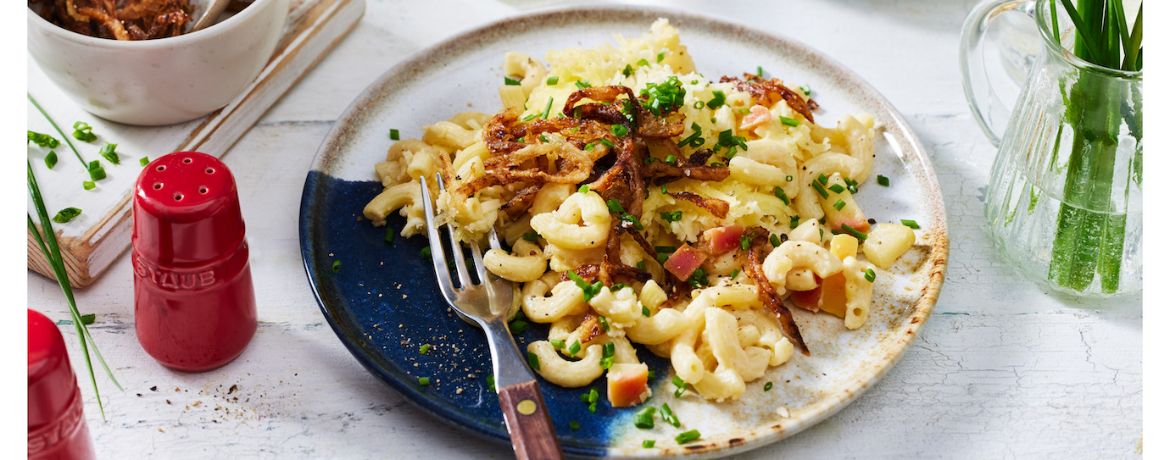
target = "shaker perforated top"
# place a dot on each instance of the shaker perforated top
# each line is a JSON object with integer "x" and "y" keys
{"x": 186, "y": 209}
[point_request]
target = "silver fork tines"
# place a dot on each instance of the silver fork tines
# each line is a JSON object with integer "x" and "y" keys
{"x": 485, "y": 301}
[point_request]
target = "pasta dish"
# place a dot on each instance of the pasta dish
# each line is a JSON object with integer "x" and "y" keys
{"x": 644, "y": 203}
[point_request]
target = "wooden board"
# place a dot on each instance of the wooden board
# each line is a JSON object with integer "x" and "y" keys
{"x": 92, "y": 241}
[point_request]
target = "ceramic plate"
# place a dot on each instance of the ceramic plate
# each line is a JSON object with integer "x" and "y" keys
{"x": 383, "y": 304}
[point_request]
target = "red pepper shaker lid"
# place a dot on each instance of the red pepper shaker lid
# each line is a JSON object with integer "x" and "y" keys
{"x": 51, "y": 384}
{"x": 186, "y": 210}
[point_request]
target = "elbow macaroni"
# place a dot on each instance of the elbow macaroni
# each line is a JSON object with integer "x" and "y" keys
{"x": 722, "y": 337}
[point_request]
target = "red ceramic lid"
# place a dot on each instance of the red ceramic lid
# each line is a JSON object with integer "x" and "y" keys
{"x": 186, "y": 210}
{"x": 51, "y": 384}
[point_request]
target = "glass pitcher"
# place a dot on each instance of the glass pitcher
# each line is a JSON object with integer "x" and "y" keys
{"x": 1064, "y": 203}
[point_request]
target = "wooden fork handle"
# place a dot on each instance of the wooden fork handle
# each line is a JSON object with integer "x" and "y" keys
{"x": 533, "y": 437}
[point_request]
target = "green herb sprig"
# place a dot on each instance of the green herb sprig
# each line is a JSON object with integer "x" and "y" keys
{"x": 46, "y": 239}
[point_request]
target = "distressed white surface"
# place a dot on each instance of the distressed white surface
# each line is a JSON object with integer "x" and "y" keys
{"x": 1001, "y": 369}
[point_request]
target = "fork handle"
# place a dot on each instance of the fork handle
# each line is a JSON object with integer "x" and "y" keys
{"x": 526, "y": 415}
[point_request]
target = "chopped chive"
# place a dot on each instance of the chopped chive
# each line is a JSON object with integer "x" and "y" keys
{"x": 389, "y": 235}
{"x": 547, "y": 107}
{"x": 670, "y": 159}
{"x": 533, "y": 361}
{"x": 574, "y": 348}
{"x": 775, "y": 240}
{"x": 661, "y": 56}
{"x": 518, "y": 325}
{"x": 779, "y": 192}
{"x": 144, "y": 161}
{"x": 531, "y": 236}
{"x": 789, "y": 121}
{"x": 734, "y": 273}
{"x": 619, "y": 130}
{"x": 336, "y": 266}
{"x": 557, "y": 343}
{"x": 768, "y": 386}
{"x": 509, "y": 81}
{"x": 582, "y": 84}
{"x": 583, "y": 189}
{"x": 668, "y": 416}
{"x": 393, "y": 134}
{"x": 83, "y": 132}
{"x": 424, "y": 349}
{"x": 66, "y": 215}
{"x": 109, "y": 152}
{"x": 641, "y": 266}
{"x": 607, "y": 355}
{"x": 648, "y": 443}
{"x": 910, "y": 223}
{"x": 530, "y": 117}
{"x": 425, "y": 252}
{"x": 883, "y": 180}
{"x": 806, "y": 90}
{"x": 745, "y": 242}
{"x": 88, "y": 185}
{"x": 816, "y": 185}
{"x": 643, "y": 63}
{"x": 604, "y": 322}
{"x": 644, "y": 419}
{"x": 687, "y": 436}
{"x": 789, "y": 178}
{"x": 870, "y": 275}
{"x": 574, "y": 425}
{"x": 51, "y": 159}
{"x": 717, "y": 100}
{"x": 673, "y": 216}
{"x": 837, "y": 188}
{"x": 43, "y": 140}
{"x": 628, "y": 71}
{"x": 606, "y": 142}
{"x": 552, "y": 80}
{"x": 824, "y": 180}
{"x": 680, "y": 386}
{"x": 96, "y": 170}
{"x": 759, "y": 71}
{"x": 794, "y": 221}
{"x": 698, "y": 105}
{"x": 839, "y": 204}
{"x": 662, "y": 189}
{"x": 424, "y": 381}
{"x": 491, "y": 382}
{"x": 645, "y": 311}
{"x": 853, "y": 231}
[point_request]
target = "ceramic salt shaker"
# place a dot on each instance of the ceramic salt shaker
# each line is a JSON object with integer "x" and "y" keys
{"x": 194, "y": 307}
{"x": 56, "y": 420}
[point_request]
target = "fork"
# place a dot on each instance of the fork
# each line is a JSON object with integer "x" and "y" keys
{"x": 486, "y": 305}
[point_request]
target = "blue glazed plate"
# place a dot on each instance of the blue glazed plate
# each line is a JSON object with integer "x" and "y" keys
{"x": 380, "y": 297}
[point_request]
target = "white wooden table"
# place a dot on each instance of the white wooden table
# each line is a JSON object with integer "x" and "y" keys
{"x": 1002, "y": 369}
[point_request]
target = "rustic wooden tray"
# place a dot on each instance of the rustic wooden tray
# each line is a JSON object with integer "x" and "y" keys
{"x": 92, "y": 241}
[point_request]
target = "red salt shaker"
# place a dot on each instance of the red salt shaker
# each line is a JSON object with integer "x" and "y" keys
{"x": 56, "y": 422}
{"x": 194, "y": 309}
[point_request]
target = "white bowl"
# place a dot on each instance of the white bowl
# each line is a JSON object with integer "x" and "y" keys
{"x": 162, "y": 81}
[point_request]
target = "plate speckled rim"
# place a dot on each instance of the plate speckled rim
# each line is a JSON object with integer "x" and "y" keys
{"x": 933, "y": 240}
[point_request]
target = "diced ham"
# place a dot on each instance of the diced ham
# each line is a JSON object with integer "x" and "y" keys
{"x": 758, "y": 116}
{"x": 808, "y": 300}
{"x": 723, "y": 239}
{"x": 684, "y": 262}
{"x": 627, "y": 384}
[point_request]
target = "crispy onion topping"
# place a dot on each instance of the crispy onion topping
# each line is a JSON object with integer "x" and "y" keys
{"x": 768, "y": 92}
{"x": 755, "y": 270}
